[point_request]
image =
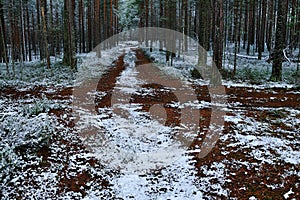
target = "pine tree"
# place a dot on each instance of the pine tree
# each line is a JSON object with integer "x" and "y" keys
{"x": 280, "y": 41}
{"x": 69, "y": 58}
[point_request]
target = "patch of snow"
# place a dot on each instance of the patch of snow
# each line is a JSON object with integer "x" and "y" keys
{"x": 253, "y": 198}
{"x": 287, "y": 195}
{"x": 260, "y": 86}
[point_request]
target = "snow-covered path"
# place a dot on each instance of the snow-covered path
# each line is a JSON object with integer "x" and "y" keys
{"x": 152, "y": 164}
{"x": 128, "y": 149}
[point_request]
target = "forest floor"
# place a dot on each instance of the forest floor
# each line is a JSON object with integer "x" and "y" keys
{"x": 130, "y": 151}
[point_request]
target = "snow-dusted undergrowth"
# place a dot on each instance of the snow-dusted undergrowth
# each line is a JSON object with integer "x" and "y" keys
{"x": 24, "y": 129}
{"x": 34, "y": 74}
{"x": 268, "y": 143}
{"x": 250, "y": 71}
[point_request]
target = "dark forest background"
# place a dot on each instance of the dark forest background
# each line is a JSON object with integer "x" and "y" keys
{"x": 38, "y": 29}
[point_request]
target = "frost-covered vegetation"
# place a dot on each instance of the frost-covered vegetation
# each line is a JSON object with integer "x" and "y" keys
{"x": 25, "y": 125}
{"x": 253, "y": 71}
{"x": 250, "y": 70}
{"x": 34, "y": 74}
{"x": 41, "y": 155}
{"x": 24, "y": 129}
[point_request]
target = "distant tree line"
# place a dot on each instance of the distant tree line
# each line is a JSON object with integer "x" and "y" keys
{"x": 31, "y": 29}
{"x": 38, "y": 29}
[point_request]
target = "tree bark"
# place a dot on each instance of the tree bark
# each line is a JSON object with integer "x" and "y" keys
{"x": 39, "y": 30}
{"x": 235, "y": 33}
{"x": 97, "y": 33}
{"x": 69, "y": 35}
{"x": 270, "y": 24}
{"x": 280, "y": 41}
{"x": 203, "y": 31}
{"x": 246, "y": 24}
{"x": 29, "y": 33}
{"x": 3, "y": 52}
{"x": 89, "y": 26}
{"x": 251, "y": 29}
{"x": 58, "y": 38}
{"x": 219, "y": 33}
{"x": 45, "y": 35}
{"x": 262, "y": 30}
{"x": 218, "y": 42}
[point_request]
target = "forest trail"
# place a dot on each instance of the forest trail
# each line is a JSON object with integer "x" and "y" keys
{"x": 256, "y": 155}
{"x": 263, "y": 116}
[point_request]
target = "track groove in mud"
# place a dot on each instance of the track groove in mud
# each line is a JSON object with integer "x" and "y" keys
{"x": 245, "y": 96}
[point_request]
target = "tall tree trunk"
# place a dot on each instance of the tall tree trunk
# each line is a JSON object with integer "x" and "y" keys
{"x": 280, "y": 41}
{"x": 229, "y": 21}
{"x": 297, "y": 26}
{"x": 235, "y": 32}
{"x": 262, "y": 30}
{"x": 105, "y": 22}
{"x": 258, "y": 25}
{"x": 58, "y": 38}
{"x": 116, "y": 23}
{"x": 51, "y": 31}
{"x": 219, "y": 33}
{"x": 240, "y": 17}
{"x": 171, "y": 24}
{"x": 3, "y": 46}
{"x": 146, "y": 21}
{"x": 167, "y": 25}
{"x": 142, "y": 21}
{"x": 270, "y": 24}
{"x": 69, "y": 34}
{"x": 246, "y": 23}
{"x": 22, "y": 39}
{"x": 173, "y": 21}
{"x": 45, "y": 35}
{"x": 34, "y": 36}
{"x": 111, "y": 26}
{"x": 251, "y": 29}
{"x": 29, "y": 34}
{"x": 97, "y": 33}
{"x": 161, "y": 21}
{"x": 15, "y": 33}
{"x": 218, "y": 41}
{"x": 292, "y": 32}
{"x": 12, "y": 42}
{"x": 185, "y": 30}
{"x": 81, "y": 27}
{"x": 203, "y": 30}
{"x": 89, "y": 26}
{"x": 151, "y": 24}
{"x": 39, "y": 30}
{"x": 80, "y": 21}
